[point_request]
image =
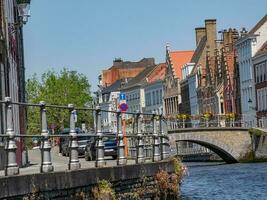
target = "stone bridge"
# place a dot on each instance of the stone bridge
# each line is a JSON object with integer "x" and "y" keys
{"x": 232, "y": 144}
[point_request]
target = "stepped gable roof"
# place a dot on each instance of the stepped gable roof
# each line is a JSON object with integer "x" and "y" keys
{"x": 178, "y": 59}
{"x": 262, "y": 50}
{"x": 112, "y": 88}
{"x": 158, "y": 73}
{"x": 139, "y": 79}
{"x": 258, "y": 25}
{"x": 200, "y": 48}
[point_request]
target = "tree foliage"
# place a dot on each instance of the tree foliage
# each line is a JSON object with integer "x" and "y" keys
{"x": 66, "y": 87}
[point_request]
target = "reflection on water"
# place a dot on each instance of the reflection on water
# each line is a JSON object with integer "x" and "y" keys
{"x": 225, "y": 181}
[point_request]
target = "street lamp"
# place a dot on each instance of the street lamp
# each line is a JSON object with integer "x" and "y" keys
{"x": 24, "y": 10}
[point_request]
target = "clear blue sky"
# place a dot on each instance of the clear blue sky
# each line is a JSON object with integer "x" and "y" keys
{"x": 86, "y": 35}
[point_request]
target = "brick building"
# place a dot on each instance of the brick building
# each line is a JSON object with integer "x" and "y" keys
{"x": 218, "y": 94}
{"x": 194, "y": 71}
{"x": 124, "y": 69}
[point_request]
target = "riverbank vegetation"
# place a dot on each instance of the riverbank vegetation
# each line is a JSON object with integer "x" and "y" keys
{"x": 162, "y": 186}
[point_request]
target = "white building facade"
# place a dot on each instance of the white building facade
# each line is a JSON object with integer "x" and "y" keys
{"x": 247, "y": 46}
{"x": 154, "y": 97}
{"x": 135, "y": 99}
{"x": 192, "y": 81}
{"x": 260, "y": 68}
{"x": 109, "y": 119}
{"x": 193, "y": 84}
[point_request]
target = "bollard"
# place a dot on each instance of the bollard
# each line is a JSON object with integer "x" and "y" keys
{"x": 74, "y": 162}
{"x": 46, "y": 164}
{"x": 120, "y": 143}
{"x": 11, "y": 147}
{"x": 156, "y": 152}
{"x": 164, "y": 141}
{"x": 140, "y": 146}
{"x": 100, "y": 162}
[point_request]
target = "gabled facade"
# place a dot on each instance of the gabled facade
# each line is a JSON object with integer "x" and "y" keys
{"x": 247, "y": 47}
{"x": 219, "y": 92}
{"x": 212, "y": 87}
{"x": 175, "y": 60}
{"x": 134, "y": 91}
{"x": 206, "y": 42}
{"x": 194, "y": 79}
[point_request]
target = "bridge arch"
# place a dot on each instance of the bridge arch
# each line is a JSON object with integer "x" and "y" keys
{"x": 231, "y": 144}
{"x": 223, "y": 154}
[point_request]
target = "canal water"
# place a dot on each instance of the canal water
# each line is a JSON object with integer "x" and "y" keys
{"x": 221, "y": 181}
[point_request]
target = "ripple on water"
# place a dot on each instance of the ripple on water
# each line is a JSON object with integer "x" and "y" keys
{"x": 223, "y": 182}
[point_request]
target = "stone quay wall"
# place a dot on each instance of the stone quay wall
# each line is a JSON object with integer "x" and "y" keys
{"x": 67, "y": 184}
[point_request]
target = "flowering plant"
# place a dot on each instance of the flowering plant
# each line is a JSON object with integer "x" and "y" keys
{"x": 231, "y": 116}
{"x": 129, "y": 121}
{"x": 207, "y": 116}
{"x": 182, "y": 116}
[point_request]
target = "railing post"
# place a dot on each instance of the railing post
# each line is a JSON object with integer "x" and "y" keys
{"x": 156, "y": 152}
{"x": 100, "y": 162}
{"x": 46, "y": 165}
{"x": 164, "y": 141}
{"x": 140, "y": 146}
{"x": 120, "y": 143}
{"x": 11, "y": 147}
{"x": 74, "y": 162}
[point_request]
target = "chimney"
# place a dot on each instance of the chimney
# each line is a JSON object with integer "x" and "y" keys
{"x": 226, "y": 37}
{"x": 200, "y": 33}
{"x": 243, "y": 32}
{"x": 210, "y": 25}
{"x": 117, "y": 62}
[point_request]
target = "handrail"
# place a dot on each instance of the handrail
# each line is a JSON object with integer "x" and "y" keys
{"x": 76, "y": 108}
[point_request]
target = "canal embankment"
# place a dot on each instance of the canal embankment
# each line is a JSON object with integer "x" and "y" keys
{"x": 126, "y": 182}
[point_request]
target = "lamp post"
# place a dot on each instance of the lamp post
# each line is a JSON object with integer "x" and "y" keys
{"x": 24, "y": 10}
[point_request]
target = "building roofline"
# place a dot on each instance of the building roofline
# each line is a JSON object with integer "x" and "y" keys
{"x": 258, "y": 25}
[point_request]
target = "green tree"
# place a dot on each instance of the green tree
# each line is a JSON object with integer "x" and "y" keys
{"x": 58, "y": 89}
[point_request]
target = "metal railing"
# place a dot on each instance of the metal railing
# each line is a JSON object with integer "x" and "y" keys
{"x": 146, "y": 145}
{"x": 178, "y": 124}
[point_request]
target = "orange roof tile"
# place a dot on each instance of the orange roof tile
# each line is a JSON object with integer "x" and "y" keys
{"x": 157, "y": 74}
{"x": 178, "y": 59}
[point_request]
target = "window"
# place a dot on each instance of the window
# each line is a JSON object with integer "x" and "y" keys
{"x": 153, "y": 98}
{"x": 149, "y": 99}
{"x": 157, "y": 96}
{"x": 261, "y": 73}
{"x": 259, "y": 100}
{"x": 257, "y": 73}
{"x": 264, "y": 71}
